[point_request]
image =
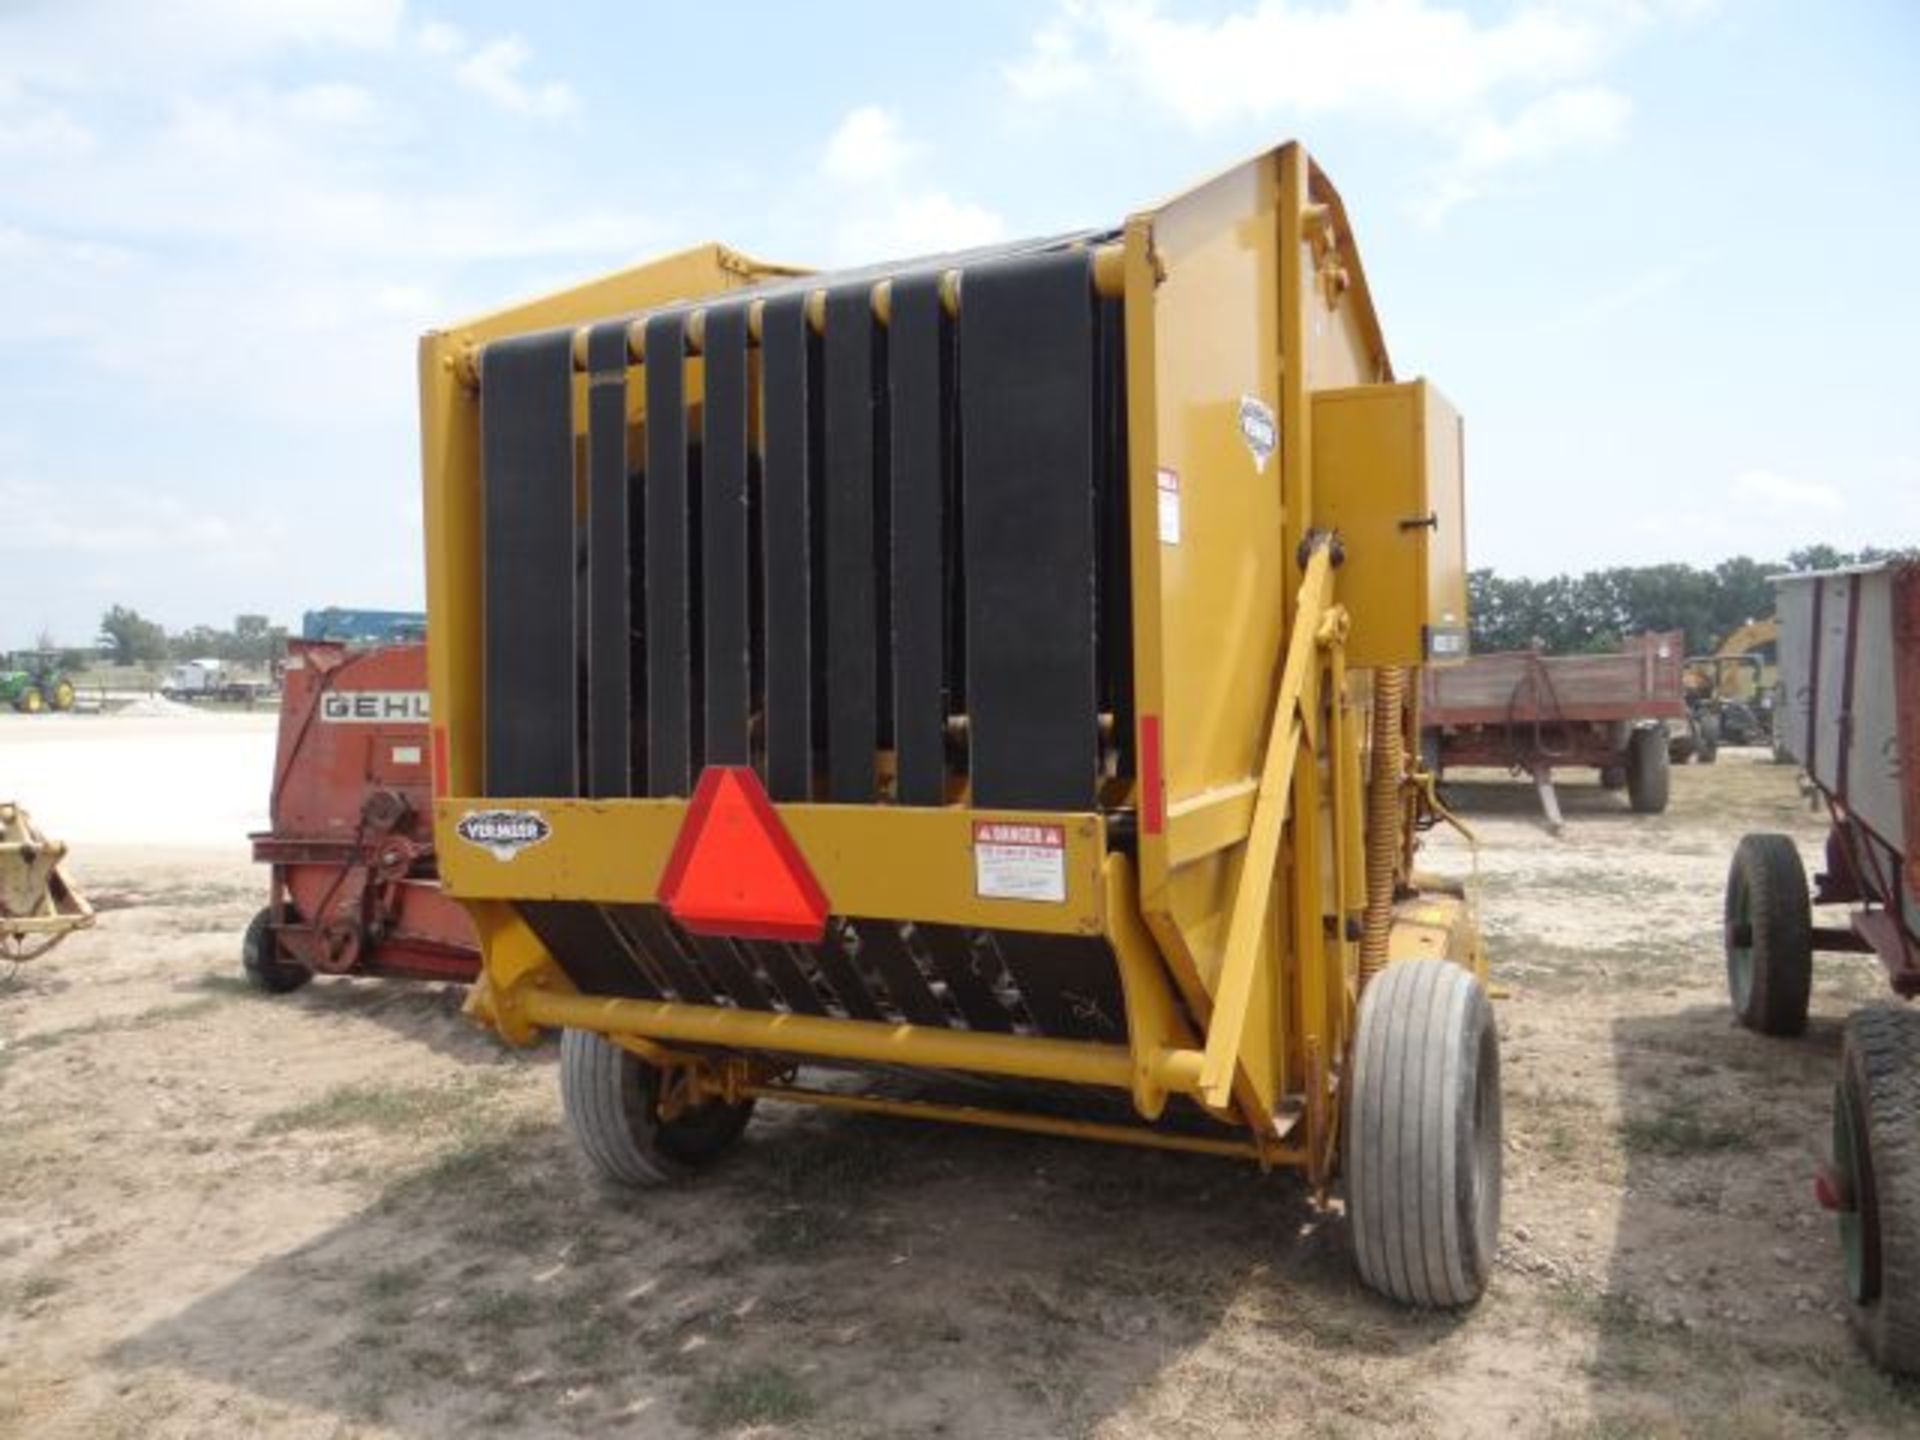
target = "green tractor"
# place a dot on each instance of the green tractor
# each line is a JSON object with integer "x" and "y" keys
{"x": 34, "y": 681}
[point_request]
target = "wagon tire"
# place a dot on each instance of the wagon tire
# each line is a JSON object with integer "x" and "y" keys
{"x": 1423, "y": 1135}
{"x": 1706, "y": 748}
{"x": 612, "y": 1097}
{"x": 1877, "y": 1163}
{"x": 1768, "y": 905}
{"x": 261, "y": 959}
{"x": 1649, "y": 772}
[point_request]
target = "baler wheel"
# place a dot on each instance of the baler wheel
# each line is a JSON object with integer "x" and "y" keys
{"x": 612, "y": 1102}
{"x": 1876, "y": 1161}
{"x": 265, "y": 968}
{"x": 1769, "y": 934}
{"x": 1422, "y": 1142}
{"x": 1648, "y": 771}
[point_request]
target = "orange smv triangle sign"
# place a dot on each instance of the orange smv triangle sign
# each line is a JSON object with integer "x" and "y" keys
{"x": 735, "y": 870}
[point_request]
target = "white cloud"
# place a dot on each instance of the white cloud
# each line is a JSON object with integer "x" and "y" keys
{"x": 438, "y": 37}
{"x": 924, "y": 223}
{"x": 1494, "y": 93}
{"x": 881, "y": 209}
{"x": 494, "y": 70}
{"x": 867, "y": 146}
{"x": 1783, "y": 494}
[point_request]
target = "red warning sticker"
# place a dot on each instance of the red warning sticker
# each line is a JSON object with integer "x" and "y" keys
{"x": 1013, "y": 860}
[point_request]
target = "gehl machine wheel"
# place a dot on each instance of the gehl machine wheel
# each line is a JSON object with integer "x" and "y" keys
{"x": 612, "y": 1102}
{"x": 1769, "y": 929}
{"x": 1876, "y": 1182}
{"x": 1423, "y": 1145}
{"x": 261, "y": 957}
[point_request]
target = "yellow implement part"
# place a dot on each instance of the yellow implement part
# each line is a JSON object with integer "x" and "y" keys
{"x": 39, "y": 905}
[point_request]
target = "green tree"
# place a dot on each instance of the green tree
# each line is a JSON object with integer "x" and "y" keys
{"x": 135, "y": 638}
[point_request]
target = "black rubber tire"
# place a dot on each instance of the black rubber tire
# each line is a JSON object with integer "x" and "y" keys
{"x": 1706, "y": 748}
{"x": 1880, "y": 1077}
{"x": 611, "y": 1098}
{"x": 268, "y": 972}
{"x": 1422, "y": 1142}
{"x": 1613, "y": 777}
{"x": 1769, "y": 983}
{"x": 1649, "y": 773}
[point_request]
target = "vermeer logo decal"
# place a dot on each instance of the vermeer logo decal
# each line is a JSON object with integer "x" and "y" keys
{"x": 503, "y": 834}
{"x": 1259, "y": 429}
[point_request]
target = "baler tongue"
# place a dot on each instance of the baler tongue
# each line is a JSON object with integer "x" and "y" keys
{"x": 39, "y": 906}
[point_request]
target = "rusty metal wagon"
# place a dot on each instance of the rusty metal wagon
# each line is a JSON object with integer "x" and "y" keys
{"x": 1849, "y": 662}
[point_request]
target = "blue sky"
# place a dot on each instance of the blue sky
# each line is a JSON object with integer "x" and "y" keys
{"x": 1662, "y": 253}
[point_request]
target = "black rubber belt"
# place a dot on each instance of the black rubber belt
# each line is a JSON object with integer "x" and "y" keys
{"x": 786, "y": 539}
{"x": 647, "y": 930}
{"x": 588, "y": 948}
{"x": 527, "y": 608}
{"x": 1026, "y": 412}
{"x": 919, "y": 385}
{"x": 851, "y": 669}
{"x": 954, "y": 963}
{"x": 723, "y": 536}
{"x": 609, "y": 624}
{"x": 668, "y": 534}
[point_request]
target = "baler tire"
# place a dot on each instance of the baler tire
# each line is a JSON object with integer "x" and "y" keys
{"x": 269, "y": 973}
{"x": 611, "y": 1098}
{"x": 1649, "y": 771}
{"x": 1423, "y": 1135}
{"x": 1770, "y": 978}
{"x": 1880, "y": 1085}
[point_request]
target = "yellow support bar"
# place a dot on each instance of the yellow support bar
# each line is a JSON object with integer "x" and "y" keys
{"x": 1270, "y": 810}
{"x": 1072, "y": 1062}
{"x": 1030, "y": 1124}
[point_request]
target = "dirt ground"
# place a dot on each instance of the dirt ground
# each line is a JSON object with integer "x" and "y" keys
{"x": 350, "y": 1213}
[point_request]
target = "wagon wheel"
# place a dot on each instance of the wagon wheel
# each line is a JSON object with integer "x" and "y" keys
{"x": 1648, "y": 772}
{"x": 612, "y": 1102}
{"x": 260, "y": 954}
{"x": 1422, "y": 1135}
{"x": 1769, "y": 935}
{"x": 1876, "y": 1182}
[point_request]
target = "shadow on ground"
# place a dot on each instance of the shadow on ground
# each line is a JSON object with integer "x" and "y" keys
{"x": 1722, "y": 1308}
{"x": 840, "y": 1274}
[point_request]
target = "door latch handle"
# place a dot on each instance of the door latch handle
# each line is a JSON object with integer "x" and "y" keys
{"x": 1428, "y": 521}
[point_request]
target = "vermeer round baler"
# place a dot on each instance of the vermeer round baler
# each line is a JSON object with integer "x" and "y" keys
{"x": 992, "y": 667}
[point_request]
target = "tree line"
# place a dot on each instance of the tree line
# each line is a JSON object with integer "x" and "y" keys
{"x": 1568, "y": 614}
{"x": 128, "y": 638}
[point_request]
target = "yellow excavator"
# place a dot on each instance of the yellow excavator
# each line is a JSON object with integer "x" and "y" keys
{"x": 1732, "y": 692}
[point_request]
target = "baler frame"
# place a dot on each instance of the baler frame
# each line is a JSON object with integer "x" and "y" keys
{"x": 1240, "y": 901}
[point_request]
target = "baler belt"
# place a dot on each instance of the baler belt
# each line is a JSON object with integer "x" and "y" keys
{"x": 649, "y": 931}
{"x": 1026, "y": 418}
{"x": 786, "y": 536}
{"x": 920, "y": 389}
{"x": 851, "y": 694}
{"x": 668, "y": 542}
{"x": 954, "y": 962}
{"x": 609, "y": 769}
{"x": 597, "y": 957}
{"x": 723, "y": 536}
{"x": 526, "y": 438}
{"x": 883, "y": 948}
